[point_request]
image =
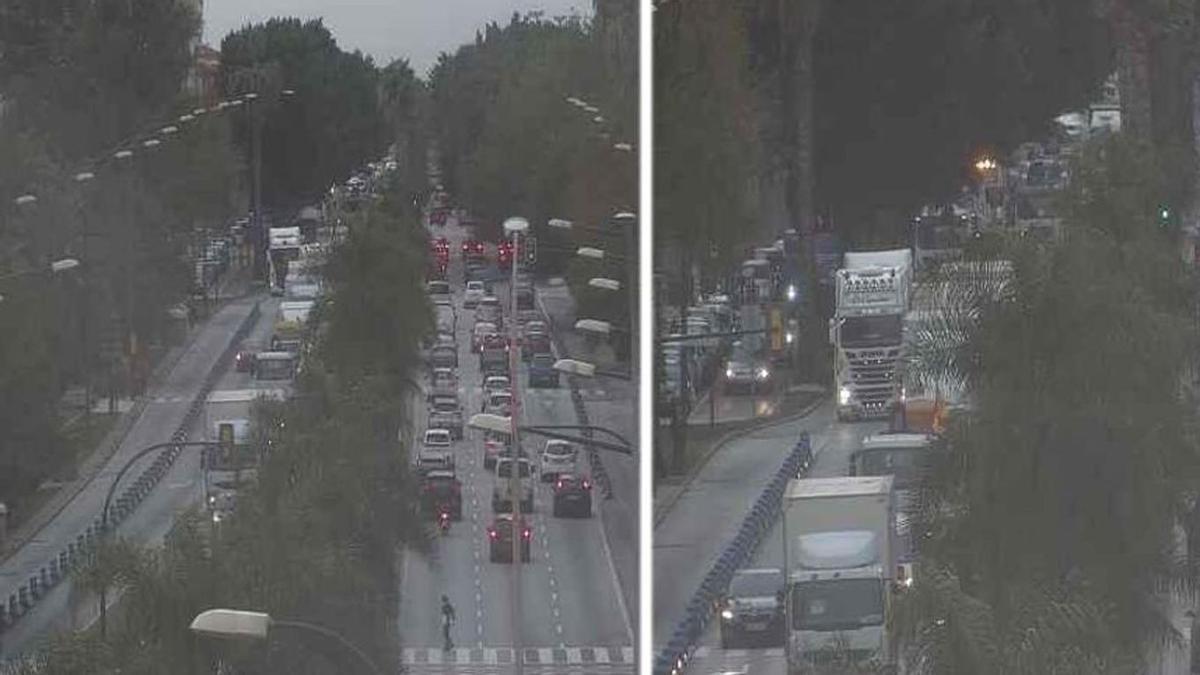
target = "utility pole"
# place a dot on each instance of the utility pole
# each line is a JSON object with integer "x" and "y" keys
{"x": 515, "y": 491}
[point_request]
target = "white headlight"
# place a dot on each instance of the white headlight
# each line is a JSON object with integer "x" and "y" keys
{"x": 791, "y": 292}
{"x": 844, "y": 396}
{"x": 763, "y": 373}
{"x": 789, "y": 337}
{"x": 729, "y": 372}
{"x": 727, "y": 614}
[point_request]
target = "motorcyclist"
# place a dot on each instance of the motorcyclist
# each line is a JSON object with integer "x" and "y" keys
{"x": 448, "y": 618}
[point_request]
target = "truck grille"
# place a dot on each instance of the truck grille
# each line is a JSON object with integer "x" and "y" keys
{"x": 873, "y": 376}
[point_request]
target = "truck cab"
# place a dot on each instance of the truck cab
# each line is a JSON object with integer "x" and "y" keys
{"x": 867, "y": 332}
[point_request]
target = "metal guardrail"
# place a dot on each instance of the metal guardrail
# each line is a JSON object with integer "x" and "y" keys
{"x": 673, "y": 658}
{"x": 58, "y": 567}
{"x": 599, "y": 473}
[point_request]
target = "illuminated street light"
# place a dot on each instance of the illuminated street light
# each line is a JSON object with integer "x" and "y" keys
{"x": 84, "y": 176}
{"x": 623, "y": 147}
{"x": 167, "y": 131}
{"x": 985, "y": 164}
{"x": 560, "y": 223}
{"x": 152, "y": 143}
{"x": 123, "y": 154}
{"x": 24, "y": 200}
{"x": 590, "y": 252}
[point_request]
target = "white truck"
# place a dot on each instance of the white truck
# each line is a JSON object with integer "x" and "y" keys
{"x": 283, "y": 246}
{"x": 839, "y": 536}
{"x": 226, "y": 469}
{"x": 867, "y": 331}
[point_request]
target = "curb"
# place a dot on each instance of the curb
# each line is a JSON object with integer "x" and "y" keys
{"x": 756, "y": 524}
{"x": 662, "y": 511}
{"x": 59, "y": 566}
{"x": 111, "y": 442}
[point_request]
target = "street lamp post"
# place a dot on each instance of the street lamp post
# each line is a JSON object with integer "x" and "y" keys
{"x": 85, "y": 353}
{"x": 112, "y": 488}
{"x": 515, "y": 228}
{"x": 256, "y": 626}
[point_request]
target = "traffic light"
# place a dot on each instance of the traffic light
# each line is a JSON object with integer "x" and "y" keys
{"x": 531, "y": 249}
{"x": 225, "y": 439}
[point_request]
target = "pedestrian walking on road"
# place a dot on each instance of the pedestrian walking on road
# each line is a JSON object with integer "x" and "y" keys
{"x": 448, "y": 618}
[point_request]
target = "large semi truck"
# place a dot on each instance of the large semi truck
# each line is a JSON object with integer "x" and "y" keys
{"x": 841, "y": 571}
{"x": 867, "y": 331}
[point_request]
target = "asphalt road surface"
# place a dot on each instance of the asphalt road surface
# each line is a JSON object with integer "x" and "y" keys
{"x": 182, "y": 487}
{"x": 710, "y": 511}
{"x": 568, "y": 614}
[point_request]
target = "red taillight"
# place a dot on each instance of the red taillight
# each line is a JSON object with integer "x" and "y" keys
{"x": 559, "y": 484}
{"x": 525, "y": 534}
{"x": 492, "y": 533}
{"x": 587, "y": 485}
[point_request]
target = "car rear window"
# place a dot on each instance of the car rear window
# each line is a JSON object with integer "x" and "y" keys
{"x": 759, "y": 585}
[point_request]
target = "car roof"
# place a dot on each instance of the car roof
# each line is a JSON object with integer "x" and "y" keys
{"x": 441, "y": 473}
{"x": 437, "y": 431}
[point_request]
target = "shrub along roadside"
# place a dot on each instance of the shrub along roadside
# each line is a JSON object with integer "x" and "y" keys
{"x": 316, "y": 539}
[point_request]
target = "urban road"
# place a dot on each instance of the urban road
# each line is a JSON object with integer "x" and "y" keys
{"x": 709, "y": 511}
{"x": 63, "y": 607}
{"x": 573, "y": 613}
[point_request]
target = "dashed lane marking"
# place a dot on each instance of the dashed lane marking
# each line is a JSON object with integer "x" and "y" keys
{"x": 488, "y": 656}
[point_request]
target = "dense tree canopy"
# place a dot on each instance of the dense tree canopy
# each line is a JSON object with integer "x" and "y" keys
{"x": 323, "y": 132}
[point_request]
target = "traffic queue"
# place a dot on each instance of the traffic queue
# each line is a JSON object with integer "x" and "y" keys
{"x": 489, "y": 373}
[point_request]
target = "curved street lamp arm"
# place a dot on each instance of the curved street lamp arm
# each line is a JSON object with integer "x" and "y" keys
{"x": 133, "y": 460}
{"x": 586, "y": 427}
{"x": 548, "y": 432}
{"x": 302, "y": 625}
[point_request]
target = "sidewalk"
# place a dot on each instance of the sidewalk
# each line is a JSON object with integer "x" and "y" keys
{"x": 235, "y": 286}
{"x": 736, "y": 417}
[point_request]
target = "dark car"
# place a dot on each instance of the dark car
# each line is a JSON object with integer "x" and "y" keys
{"x": 500, "y": 539}
{"x": 440, "y": 488}
{"x": 534, "y": 343}
{"x": 542, "y": 372}
{"x": 572, "y": 496}
{"x": 243, "y": 362}
{"x": 472, "y": 249}
{"x": 443, "y": 356}
{"x": 752, "y": 610}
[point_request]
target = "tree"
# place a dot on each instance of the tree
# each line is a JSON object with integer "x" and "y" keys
{"x": 1062, "y": 486}
{"x": 322, "y": 133}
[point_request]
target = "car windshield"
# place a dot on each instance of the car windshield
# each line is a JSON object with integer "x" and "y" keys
{"x": 437, "y": 438}
{"x": 756, "y": 585}
{"x": 871, "y": 331}
{"x": 903, "y": 463}
{"x": 543, "y": 360}
{"x": 560, "y": 450}
{"x": 838, "y": 604}
{"x": 445, "y": 405}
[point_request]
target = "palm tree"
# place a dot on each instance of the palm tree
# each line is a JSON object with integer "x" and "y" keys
{"x": 1060, "y": 487}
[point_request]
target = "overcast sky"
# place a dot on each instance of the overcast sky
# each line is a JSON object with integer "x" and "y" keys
{"x": 417, "y": 30}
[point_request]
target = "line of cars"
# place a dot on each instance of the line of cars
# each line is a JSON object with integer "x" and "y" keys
{"x": 436, "y": 459}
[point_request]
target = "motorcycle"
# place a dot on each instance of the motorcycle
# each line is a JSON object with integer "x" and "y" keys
{"x": 444, "y": 520}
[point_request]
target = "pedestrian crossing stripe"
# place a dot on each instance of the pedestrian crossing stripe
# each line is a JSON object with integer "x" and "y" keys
{"x": 706, "y": 652}
{"x": 532, "y": 655}
{"x": 548, "y": 668}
